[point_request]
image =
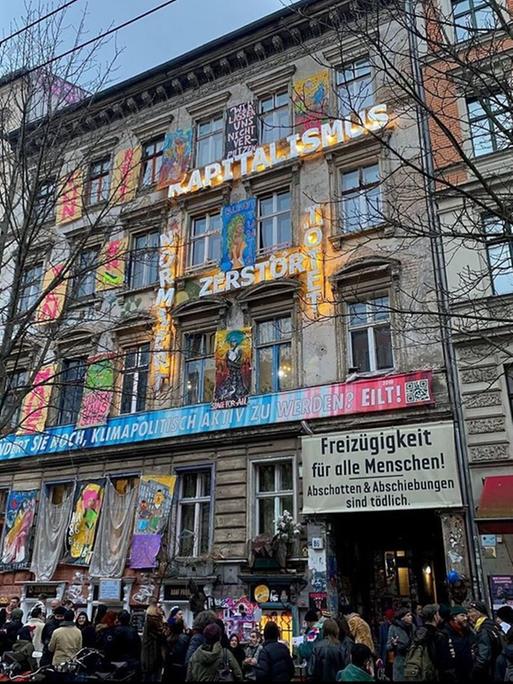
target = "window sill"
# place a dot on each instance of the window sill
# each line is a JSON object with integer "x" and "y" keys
{"x": 138, "y": 290}
{"x": 193, "y": 271}
{"x": 88, "y": 301}
{"x": 338, "y": 239}
{"x": 353, "y": 377}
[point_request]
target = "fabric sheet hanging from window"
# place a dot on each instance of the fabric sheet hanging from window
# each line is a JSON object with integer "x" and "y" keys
{"x": 51, "y": 527}
{"x": 19, "y": 520}
{"x": 84, "y": 522}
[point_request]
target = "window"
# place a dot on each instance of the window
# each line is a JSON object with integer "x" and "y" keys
{"x": 370, "y": 341}
{"x": 205, "y": 239}
{"x": 274, "y": 370}
{"x": 472, "y": 17}
{"x": 199, "y": 367}
{"x": 274, "y": 494}
{"x": 151, "y": 162}
{"x": 354, "y": 87}
{"x": 499, "y": 248}
{"x": 44, "y": 200}
{"x": 274, "y": 221}
{"x": 71, "y": 388}
{"x": 135, "y": 379}
{"x": 30, "y": 287}
{"x": 274, "y": 115}
{"x": 360, "y": 199}
{"x": 209, "y": 140}
{"x": 15, "y": 385}
{"x": 490, "y": 123}
{"x": 84, "y": 283}
{"x": 58, "y": 492}
{"x": 98, "y": 181}
{"x": 193, "y": 528}
{"x": 144, "y": 259}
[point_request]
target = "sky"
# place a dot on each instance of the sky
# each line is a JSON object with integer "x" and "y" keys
{"x": 178, "y": 28}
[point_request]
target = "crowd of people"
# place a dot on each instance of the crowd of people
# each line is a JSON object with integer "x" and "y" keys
{"x": 432, "y": 643}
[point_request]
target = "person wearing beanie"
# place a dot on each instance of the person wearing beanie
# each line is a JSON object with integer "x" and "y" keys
{"x": 13, "y": 626}
{"x": 312, "y": 635}
{"x": 400, "y": 636}
{"x": 487, "y": 643}
{"x": 457, "y": 629}
{"x": 211, "y": 659}
{"x": 66, "y": 640}
{"x": 274, "y": 662}
{"x": 440, "y": 664}
{"x": 55, "y": 621}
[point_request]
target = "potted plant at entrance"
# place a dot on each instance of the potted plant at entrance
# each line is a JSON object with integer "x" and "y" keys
{"x": 287, "y": 530}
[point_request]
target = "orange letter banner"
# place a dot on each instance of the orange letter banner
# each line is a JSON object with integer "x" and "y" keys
{"x": 125, "y": 175}
{"x": 51, "y": 306}
{"x": 111, "y": 271}
{"x": 35, "y": 404}
{"x": 69, "y": 202}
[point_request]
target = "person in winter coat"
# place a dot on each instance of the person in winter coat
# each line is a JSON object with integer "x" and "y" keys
{"x": 53, "y": 623}
{"x": 504, "y": 662}
{"x": 504, "y": 617}
{"x": 487, "y": 643}
{"x": 236, "y": 649}
{"x": 176, "y": 649}
{"x": 360, "y": 632}
{"x": 439, "y": 647}
{"x": 399, "y": 640}
{"x": 329, "y": 655}
{"x": 202, "y": 620}
{"x": 210, "y": 658}
{"x": 274, "y": 663}
{"x": 105, "y": 634}
{"x": 87, "y": 629}
{"x": 457, "y": 629}
{"x": 13, "y": 626}
{"x": 126, "y": 646}
{"x": 360, "y": 667}
{"x": 152, "y": 643}
{"x": 66, "y": 640}
{"x": 385, "y": 655}
{"x": 36, "y": 624}
{"x": 252, "y": 652}
{"x": 313, "y": 634}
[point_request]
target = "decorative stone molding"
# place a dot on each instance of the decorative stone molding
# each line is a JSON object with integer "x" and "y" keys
{"x": 270, "y": 82}
{"x": 486, "y": 425}
{"x": 209, "y": 106}
{"x": 482, "y": 399}
{"x": 489, "y": 452}
{"x": 479, "y": 374}
{"x": 476, "y": 352}
{"x": 154, "y": 126}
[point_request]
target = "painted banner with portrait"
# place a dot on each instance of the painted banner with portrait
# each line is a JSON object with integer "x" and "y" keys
{"x": 125, "y": 174}
{"x": 98, "y": 391}
{"x": 111, "y": 268}
{"x": 52, "y": 304}
{"x": 176, "y": 156}
{"x": 69, "y": 201}
{"x": 232, "y": 358}
{"x": 84, "y": 522}
{"x": 238, "y": 238}
{"x": 18, "y": 529}
{"x": 34, "y": 409}
{"x": 151, "y": 518}
{"x": 310, "y": 99}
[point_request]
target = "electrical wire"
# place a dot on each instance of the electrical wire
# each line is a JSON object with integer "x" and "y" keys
{"x": 37, "y": 21}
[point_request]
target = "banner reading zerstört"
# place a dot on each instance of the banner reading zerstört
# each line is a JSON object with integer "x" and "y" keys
{"x": 408, "y": 467}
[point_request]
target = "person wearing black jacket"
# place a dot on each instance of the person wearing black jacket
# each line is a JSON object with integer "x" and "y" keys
{"x": 126, "y": 642}
{"x": 329, "y": 655}
{"x": 176, "y": 649}
{"x": 487, "y": 643}
{"x": 87, "y": 629}
{"x": 457, "y": 629}
{"x": 274, "y": 663}
{"x": 439, "y": 646}
{"x": 54, "y": 621}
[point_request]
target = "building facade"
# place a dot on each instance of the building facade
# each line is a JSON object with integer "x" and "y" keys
{"x": 242, "y": 336}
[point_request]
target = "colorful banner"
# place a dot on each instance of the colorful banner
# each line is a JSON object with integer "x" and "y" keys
{"x": 233, "y": 368}
{"x": 125, "y": 175}
{"x": 51, "y": 306}
{"x": 111, "y": 269}
{"x": 311, "y": 100}
{"x": 69, "y": 202}
{"x": 98, "y": 391}
{"x": 176, "y": 156}
{"x": 151, "y": 518}
{"x": 390, "y": 393}
{"x": 84, "y": 521}
{"x": 34, "y": 409}
{"x": 241, "y": 129}
{"x": 238, "y": 239}
{"x": 19, "y": 519}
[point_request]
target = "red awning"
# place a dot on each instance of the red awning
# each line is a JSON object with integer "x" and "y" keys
{"x": 495, "y": 512}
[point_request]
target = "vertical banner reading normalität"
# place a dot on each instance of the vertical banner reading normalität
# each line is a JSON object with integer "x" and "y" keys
{"x": 408, "y": 467}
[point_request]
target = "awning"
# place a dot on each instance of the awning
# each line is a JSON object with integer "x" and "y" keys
{"x": 495, "y": 512}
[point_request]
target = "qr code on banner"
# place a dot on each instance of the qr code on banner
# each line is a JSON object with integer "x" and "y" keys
{"x": 417, "y": 390}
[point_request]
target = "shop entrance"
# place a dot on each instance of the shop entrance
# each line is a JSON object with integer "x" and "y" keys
{"x": 386, "y": 560}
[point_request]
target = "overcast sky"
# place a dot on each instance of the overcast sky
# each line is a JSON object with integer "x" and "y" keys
{"x": 178, "y": 28}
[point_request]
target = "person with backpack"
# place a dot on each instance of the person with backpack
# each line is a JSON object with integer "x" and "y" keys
{"x": 400, "y": 636}
{"x": 431, "y": 655}
{"x": 211, "y": 662}
{"x": 504, "y": 662}
{"x": 329, "y": 655}
{"x": 487, "y": 643}
{"x": 274, "y": 663}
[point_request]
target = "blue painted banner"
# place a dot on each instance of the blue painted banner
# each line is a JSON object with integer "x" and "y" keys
{"x": 362, "y": 396}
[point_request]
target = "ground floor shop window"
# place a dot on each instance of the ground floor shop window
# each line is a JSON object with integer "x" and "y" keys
{"x": 284, "y": 620}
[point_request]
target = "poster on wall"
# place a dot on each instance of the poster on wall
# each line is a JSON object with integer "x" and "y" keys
{"x": 311, "y": 100}
{"x": 238, "y": 238}
{"x": 34, "y": 409}
{"x": 69, "y": 202}
{"x": 404, "y": 468}
{"x": 241, "y": 129}
{"x": 151, "y": 518}
{"x": 501, "y": 590}
{"x": 125, "y": 175}
{"x": 176, "y": 156}
{"x": 232, "y": 358}
{"x": 84, "y": 522}
{"x": 111, "y": 268}
{"x": 98, "y": 391}
{"x": 17, "y": 533}
{"x": 52, "y": 304}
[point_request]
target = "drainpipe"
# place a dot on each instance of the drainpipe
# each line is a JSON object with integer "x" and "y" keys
{"x": 444, "y": 307}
